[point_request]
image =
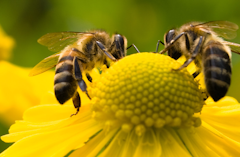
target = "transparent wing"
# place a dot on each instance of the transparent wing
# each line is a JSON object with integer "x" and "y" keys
{"x": 45, "y": 64}
{"x": 224, "y": 29}
{"x": 59, "y": 40}
{"x": 234, "y": 46}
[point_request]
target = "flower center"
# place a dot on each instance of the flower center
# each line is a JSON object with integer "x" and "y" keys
{"x": 142, "y": 90}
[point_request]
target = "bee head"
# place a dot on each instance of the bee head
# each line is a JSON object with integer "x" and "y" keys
{"x": 173, "y": 50}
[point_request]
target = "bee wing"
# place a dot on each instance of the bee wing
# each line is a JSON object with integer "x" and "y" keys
{"x": 224, "y": 29}
{"x": 57, "y": 41}
{"x": 234, "y": 46}
{"x": 45, "y": 64}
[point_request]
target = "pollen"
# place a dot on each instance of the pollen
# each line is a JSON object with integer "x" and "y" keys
{"x": 142, "y": 90}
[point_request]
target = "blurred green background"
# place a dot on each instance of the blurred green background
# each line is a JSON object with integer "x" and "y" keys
{"x": 142, "y": 22}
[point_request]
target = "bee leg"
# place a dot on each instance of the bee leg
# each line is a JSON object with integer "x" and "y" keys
{"x": 76, "y": 102}
{"x": 171, "y": 43}
{"x": 78, "y": 77}
{"x": 83, "y": 87}
{"x": 159, "y": 41}
{"x": 196, "y": 73}
{"x": 102, "y": 47}
{"x": 194, "y": 54}
{"x": 89, "y": 77}
{"x": 134, "y": 47}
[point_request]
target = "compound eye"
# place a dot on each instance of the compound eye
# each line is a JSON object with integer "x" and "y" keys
{"x": 170, "y": 35}
{"x": 119, "y": 39}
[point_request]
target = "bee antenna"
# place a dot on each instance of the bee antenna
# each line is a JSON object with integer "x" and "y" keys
{"x": 159, "y": 41}
{"x": 134, "y": 47}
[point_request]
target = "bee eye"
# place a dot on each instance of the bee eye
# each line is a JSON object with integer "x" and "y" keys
{"x": 119, "y": 38}
{"x": 118, "y": 43}
{"x": 170, "y": 35}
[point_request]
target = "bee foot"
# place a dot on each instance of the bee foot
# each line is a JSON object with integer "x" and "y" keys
{"x": 88, "y": 95}
{"x": 75, "y": 113}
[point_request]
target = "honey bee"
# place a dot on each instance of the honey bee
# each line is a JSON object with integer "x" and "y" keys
{"x": 78, "y": 52}
{"x": 202, "y": 43}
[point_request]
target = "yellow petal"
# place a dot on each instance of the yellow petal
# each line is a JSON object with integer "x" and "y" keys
{"x": 61, "y": 141}
{"x": 116, "y": 145}
{"x": 225, "y": 101}
{"x": 130, "y": 145}
{"x": 36, "y": 123}
{"x": 195, "y": 144}
{"x": 172, "y": 145}
{"x": 218, "y": 142}
{"x": 224, "y": 116}
{"x": 148, "y": 145}
{"x": 51, "y": 112}
{"x": 94, "y": 146}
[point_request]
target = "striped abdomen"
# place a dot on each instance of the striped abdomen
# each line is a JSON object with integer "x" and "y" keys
{"x": 64, "y": 83}
{"x": 217, "y": 69}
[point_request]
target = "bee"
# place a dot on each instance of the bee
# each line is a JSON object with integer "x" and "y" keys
{"x": 202, "y": 43}
{"x": 78, "y": 52}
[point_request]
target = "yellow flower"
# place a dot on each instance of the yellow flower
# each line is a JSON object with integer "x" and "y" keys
{"x": 6, "y": 45}
{"x": 139, "y": 107}
{"x": 18, "y": 91}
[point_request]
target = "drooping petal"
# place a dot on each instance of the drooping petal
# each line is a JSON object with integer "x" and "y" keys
{"x": 61, "y": 141}
{"x": 218, "y": 142}
{"x": 94, "y": 146}
{"x": 26, "y": 128}
{"x": 224, "y": 117}
{"x": 148, "y": 145}
{"x": 130, "y": 146}
{"x": 116, "y": 146}
{"x": 194, "y": 143}
{"x": 172, "y": 145}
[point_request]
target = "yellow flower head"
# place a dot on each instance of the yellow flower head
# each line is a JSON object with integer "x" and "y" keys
{"x": 143, "y": 91}
{"x": 140, "y": 107}
{"x": 6, "y": 45}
